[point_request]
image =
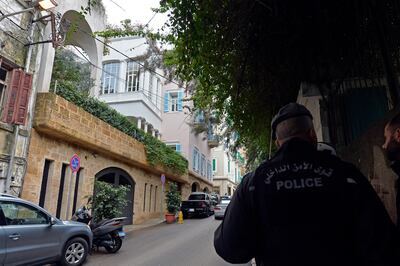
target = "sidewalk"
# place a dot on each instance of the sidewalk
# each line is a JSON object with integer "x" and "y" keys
{"x": 148, "y": 223}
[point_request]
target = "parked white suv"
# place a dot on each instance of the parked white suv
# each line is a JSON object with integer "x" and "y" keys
{"x": 29, "y": 235}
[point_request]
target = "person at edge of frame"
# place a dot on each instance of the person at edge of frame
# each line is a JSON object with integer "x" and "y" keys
{"x": 306, "y": 208}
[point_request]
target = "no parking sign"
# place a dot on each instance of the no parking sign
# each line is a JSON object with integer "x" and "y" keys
{"x": 75, "y": 163}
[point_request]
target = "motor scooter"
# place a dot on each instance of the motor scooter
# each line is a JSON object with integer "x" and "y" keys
{"x": 107, "y": 233}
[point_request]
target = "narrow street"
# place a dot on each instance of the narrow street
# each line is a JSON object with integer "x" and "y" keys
{"x": 190, "y": 244}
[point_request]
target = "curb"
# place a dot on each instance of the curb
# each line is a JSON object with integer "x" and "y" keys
{"x": 131, "y": 228}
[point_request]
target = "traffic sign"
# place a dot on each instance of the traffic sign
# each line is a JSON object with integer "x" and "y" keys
{"x": 75, "y": 163}
{"x": 163, "y": 179}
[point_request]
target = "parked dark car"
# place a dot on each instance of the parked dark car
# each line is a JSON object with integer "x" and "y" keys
{"x": 198, "y": 204}
{"x": 29, "y": 235}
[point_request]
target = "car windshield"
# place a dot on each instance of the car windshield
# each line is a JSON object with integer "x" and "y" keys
{"x": 196, "y": 197}
{"x": 225, "y": 202}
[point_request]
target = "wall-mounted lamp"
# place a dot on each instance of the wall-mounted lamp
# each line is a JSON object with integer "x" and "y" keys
{"x": 47, "y": 4}
{"x": 44, "y": 5}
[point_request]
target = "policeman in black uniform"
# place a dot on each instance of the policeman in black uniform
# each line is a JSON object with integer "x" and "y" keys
{"x": 306, "y": 208}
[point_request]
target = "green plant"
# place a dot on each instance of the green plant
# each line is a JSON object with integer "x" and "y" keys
{"x": 173, "y": 199}
{"x": 157, "y": 152}
{"x": 108, "y": 200}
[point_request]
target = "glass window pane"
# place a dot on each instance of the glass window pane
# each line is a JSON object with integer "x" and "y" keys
{"x": 3, "y": 74}
{"x": 21, "y": 214}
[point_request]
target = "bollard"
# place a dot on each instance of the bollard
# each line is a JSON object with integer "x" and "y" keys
{"x": 180, "y": 217}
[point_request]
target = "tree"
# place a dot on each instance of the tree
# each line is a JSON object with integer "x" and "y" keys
{"x": 71, "y": 71}
{"x": 250, "y": 57}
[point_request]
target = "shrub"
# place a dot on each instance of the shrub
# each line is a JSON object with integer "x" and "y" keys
{"x": 108, "y": 200}
{"x": 157, "y": 152}
{"x": 173, "y": 198}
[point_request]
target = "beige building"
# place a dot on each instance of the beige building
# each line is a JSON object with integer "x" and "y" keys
{"x": 61, "y": 130}
{"x": 227, "y": 171}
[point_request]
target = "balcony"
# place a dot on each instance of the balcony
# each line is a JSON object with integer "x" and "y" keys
{"x": 213, "y": 141}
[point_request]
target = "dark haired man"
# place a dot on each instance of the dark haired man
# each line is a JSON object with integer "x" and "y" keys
{"x": 306, "y": 208}
{"x": 392, "y": 148}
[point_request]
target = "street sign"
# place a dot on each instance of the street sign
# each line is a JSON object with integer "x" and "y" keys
{"x": 163, "y": 179}
{"x": 75, "y": 163}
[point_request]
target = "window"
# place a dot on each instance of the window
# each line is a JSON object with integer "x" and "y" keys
{"x": 110, "y": 78}
{"x": 173, "y": 101}
{"x": 235, "y": 174}
{"x": 203, "y": 165}
{"x": 144, "y": 197}
{"x": 45, "y": 178}
{"x": 229, "y": 165}
{"x": 151, "y": 190}
{"x": 20, "y": 214}
{"x": 132, "y": 76}
{"x": 175, "y": 146}
{"x": 196, "y": 157}
{"x": 61, "y": 189}
{"x": 155, "y": 198}
{"x": 152, "y": 90}
{"x": 197, "y": 197}
{"x": 3, "y": 86}
{"x": 158, "y": 95}
{"x": 78, "y": 179}
{"x": 209, "y": 171}
{"x": 214, "y": 165}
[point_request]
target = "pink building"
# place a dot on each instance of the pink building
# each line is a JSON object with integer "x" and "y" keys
{"x": 178, "y": 134}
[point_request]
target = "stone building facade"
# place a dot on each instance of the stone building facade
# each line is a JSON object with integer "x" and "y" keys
{"x": 26, "y": 46}
{"x": 60, "y": 130}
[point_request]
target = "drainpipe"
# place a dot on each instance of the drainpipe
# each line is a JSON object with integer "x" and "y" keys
{"x": 7, "y": 188}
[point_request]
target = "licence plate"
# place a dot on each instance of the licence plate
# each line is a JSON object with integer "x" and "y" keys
{"x": 121, "y": 234}
{"x": 191, "y": 210}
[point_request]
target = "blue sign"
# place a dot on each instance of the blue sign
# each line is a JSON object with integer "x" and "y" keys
{"x": 75, "y": 163}
{"x": 163, "y": 179}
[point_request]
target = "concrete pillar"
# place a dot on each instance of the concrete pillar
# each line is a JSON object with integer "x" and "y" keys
{"x": 153, "y": 132}
{"x": 146, "y": 127}
{"x": 139, "y": 123}
{"x": 47, "y": 61}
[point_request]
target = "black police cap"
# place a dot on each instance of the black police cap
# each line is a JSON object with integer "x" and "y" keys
{"x": 288, "y": 111}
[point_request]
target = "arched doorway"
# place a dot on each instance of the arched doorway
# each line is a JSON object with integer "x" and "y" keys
{"x": 119, "y": 177}
{"x": 206, "y": 190}
{"x": 195, "y": 187}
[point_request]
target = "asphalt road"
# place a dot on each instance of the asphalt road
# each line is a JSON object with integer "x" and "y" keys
{"x": 188, "y": 244}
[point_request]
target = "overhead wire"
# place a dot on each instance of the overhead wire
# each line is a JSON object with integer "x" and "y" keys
{"x": 112, "y": 1}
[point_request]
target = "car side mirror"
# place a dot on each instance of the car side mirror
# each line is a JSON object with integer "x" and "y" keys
{"x": 52, "y": 221}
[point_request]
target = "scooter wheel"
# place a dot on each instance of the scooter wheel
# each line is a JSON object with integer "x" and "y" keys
{"x": 116, "y": 245}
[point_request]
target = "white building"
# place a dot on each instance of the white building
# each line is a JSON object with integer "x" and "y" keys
{"x": 227, "y": 170}
{"x": 130, "y": 88}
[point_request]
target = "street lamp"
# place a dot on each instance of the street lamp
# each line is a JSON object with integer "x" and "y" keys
{"x": 44, "y": 5}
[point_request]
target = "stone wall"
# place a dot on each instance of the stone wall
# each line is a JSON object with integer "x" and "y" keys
{"x": 61, "y": 130}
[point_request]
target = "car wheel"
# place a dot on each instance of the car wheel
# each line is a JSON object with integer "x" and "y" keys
{"x": 75, "y": 252}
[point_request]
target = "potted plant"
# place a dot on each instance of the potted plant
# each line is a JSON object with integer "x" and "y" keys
{"x": 173, "y": 201}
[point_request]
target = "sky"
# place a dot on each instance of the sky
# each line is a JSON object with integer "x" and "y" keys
{"x": 136, "y": 10}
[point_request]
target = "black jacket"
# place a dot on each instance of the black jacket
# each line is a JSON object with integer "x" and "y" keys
{"x": 304, "y": 208}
